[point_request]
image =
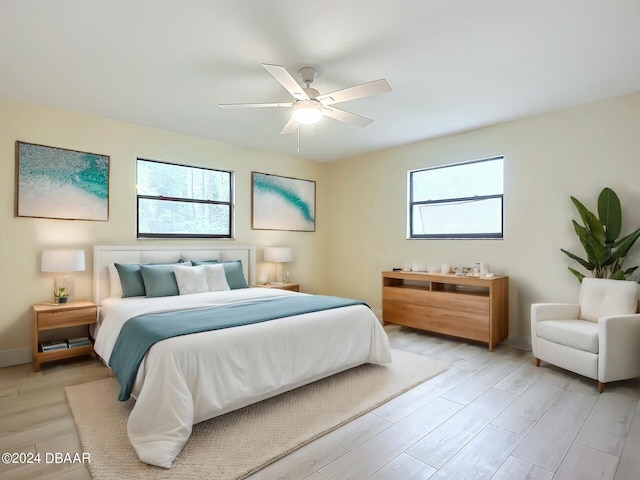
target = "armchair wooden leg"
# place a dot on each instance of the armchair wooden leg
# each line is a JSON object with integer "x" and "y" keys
{"x": 600, "y": 387}
{"x": 537, "y": 362}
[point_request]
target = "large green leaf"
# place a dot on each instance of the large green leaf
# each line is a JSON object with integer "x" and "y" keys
{"x": 624, "y": 246}
{"x": 596, "y": 252}
{"x": 610, "y": 213}
{"x": 578, "y": 275}
{"x": 590, "y": 220}
{"x": 588, "y": 265}
{"x": 617, "y": 275}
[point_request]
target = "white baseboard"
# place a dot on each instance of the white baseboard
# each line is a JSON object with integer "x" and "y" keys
{"x": 15, "y": 356}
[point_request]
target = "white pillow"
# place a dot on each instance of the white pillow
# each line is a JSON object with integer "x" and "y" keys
{"x": 190, "y": 280}
{"x": 216, "y": 278}
{"x": 115, "y": 287}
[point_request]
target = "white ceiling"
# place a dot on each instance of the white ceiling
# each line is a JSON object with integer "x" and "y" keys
{"x": 453, "y": 65}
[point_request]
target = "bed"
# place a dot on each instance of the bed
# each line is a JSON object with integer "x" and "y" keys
{"x": 190, "y": 378}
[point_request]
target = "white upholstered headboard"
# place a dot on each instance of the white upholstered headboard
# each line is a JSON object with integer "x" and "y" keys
{"x": 104, "y": 255}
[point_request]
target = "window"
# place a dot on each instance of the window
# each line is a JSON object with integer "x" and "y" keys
{"x": 463, "y": 200}
{"x": 178, "y": 201}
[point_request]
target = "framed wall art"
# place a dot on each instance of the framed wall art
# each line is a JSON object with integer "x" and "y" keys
{"x": 59, "y": 183}
{"x": 282, "y": 203}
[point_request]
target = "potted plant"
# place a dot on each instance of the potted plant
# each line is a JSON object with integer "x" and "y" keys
{"x": 599, "y": 238}
{"x": 61, "y": 295}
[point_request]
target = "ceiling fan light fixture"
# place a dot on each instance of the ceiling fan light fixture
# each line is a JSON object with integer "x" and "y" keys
{"x": 307, "y": 112}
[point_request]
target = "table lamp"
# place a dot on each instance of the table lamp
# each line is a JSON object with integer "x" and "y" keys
{"x": 61, "y": 262}
{"x": 278, "y": 255}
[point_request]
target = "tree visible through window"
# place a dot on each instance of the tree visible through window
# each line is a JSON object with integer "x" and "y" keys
{"x": 463, "y": 200}
{"x": 179, "y": 201}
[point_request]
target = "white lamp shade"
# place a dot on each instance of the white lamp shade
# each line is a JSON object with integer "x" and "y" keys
{"x": 278, "y": 254}
{"x": 62, "y": 261}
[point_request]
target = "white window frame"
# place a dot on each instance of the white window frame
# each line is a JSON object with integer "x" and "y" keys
{"x": 230, "y": 204}
{"x": 469, "y": 199}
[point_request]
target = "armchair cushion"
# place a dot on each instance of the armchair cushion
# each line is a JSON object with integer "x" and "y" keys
{"x": 580, "y": 334}
{"x": 601, "y": 297}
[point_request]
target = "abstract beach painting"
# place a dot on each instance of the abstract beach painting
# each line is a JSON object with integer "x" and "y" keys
{"x": 63, "y": 184}
{"x": 283, "y": 203}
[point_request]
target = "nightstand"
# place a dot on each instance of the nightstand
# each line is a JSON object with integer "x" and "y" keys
{"x": 294, "y": 287}
{"x": 50, "y": 316}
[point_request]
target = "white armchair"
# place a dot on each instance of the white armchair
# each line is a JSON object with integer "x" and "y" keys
{"x": 598, "y": 338}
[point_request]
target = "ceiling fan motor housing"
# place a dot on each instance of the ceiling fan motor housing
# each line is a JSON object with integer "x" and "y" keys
{"x": 308, "y": 74}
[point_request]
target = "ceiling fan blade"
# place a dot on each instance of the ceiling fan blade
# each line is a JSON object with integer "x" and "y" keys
{"x": 290, "y": 127}
{"x": 348, "y": 117}
{"x": 359, "y": 91}
{"x": 286, "y": 80}
{"x": 254, "y": 105}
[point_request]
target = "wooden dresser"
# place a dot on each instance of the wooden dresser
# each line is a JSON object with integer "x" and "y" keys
{"x": 468, "y": 307}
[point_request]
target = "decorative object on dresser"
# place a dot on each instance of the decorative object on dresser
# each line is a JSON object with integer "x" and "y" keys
{"x": 468, "y": 307}
{"x": 294, "y": 287}
{"x": 278, "y": 255}
{"x": 60, "y": 262}
{"x": 50, "y": 317}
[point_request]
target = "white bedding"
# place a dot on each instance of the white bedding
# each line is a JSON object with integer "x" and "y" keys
{"x": 188, "y": 379}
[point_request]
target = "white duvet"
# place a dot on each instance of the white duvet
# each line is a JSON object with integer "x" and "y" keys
{"x": 188, "y": 379}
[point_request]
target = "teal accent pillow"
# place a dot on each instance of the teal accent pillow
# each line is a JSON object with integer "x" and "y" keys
{"x": 159, "y": 280}
{"x": 131, "y": 280}
{"x": 235, "y": 277}
{"x": 195, "y": 263}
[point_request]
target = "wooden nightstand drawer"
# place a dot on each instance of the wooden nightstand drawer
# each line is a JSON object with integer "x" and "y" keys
{"x": 66, "y": 318}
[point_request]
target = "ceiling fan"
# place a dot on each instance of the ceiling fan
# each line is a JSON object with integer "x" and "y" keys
{"x": 309, "y": 106}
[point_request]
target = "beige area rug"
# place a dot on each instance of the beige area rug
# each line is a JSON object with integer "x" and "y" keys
{"x": 237, "y": 444}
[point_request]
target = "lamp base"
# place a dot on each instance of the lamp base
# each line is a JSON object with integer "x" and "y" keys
{"x": 276, "y": 283}
{"x": 65, "y": 281}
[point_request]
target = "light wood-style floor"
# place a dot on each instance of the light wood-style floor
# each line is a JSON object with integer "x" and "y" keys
{"x": 490, "y": 416}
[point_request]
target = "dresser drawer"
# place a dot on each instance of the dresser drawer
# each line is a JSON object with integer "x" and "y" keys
{"x": 473, "y": 326}
{"x": 464, "y": 302}
{"x": 406, "y": 314}
{"x": 66, "y": 318}
{"x": 406, "y": 294}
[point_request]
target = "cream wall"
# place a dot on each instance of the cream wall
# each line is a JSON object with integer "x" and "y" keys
{"x": 547, "y": 158}
{"x": 23, "y": 239}
{"x": 361, "y": 204}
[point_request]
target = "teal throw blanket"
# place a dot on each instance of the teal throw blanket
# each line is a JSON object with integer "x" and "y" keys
{"x": 139, "y": 333}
